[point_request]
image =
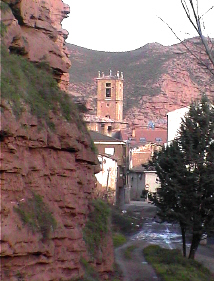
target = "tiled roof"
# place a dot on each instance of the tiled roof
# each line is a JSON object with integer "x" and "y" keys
{"x": 158, "y": 136}
{"x": 141, "y": 168}
{"x": 100, "y": 137}
{"x": 96, "y": 119}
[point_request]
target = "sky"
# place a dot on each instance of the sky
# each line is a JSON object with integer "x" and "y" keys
{"x": 124, "y": 25}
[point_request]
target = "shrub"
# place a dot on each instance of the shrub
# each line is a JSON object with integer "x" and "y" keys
{"x": 171, "y": 265}
{"x": 118, "y": 239}
{"x": 97, "y": 225}
{"x": 36, "y": 215}
{"x": 128, "y": 251}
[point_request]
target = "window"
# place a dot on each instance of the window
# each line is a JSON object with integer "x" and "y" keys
{"x": 142, "y": 139}
{"x": 158, "y": 139}
{"x": 108, "y": 90}
{"x": 109, "y": 150}
{"x": 109, "y": 128}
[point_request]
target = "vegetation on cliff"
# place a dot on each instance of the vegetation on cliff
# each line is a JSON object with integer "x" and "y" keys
{"x": 36, "y": 215}
{"x": 24, "y": 83}
{"x": 97, "y": 225}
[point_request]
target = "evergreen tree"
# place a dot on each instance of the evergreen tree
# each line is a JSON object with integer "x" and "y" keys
{"x": 186, "y": 173}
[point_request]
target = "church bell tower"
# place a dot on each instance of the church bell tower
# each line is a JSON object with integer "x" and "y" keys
{"x": 110, "y": 96}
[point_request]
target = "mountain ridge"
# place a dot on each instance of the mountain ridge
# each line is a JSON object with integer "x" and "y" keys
{"x": 157, "y": 78}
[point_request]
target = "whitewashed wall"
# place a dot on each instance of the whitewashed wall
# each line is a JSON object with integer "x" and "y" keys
{"x": 174, "y": 122}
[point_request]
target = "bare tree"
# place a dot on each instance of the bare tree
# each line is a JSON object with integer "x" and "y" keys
{"x": 191, "y": 10}
{"x": 196, "y": 20}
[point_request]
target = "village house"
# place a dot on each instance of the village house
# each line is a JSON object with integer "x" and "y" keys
{"x": 141, "y": 145}
{"x": 111, "y": 151}
{"x": 107, "y": 178}
{"x": 174, "y": 119}
{"x": 142, "y": 181}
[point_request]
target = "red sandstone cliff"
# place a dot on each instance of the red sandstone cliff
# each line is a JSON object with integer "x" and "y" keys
{"x": 33, "y": 29}
{"x": 58, "y": 165}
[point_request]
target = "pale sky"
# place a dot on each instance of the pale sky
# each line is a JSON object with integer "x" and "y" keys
{"x": 124, "y": 25}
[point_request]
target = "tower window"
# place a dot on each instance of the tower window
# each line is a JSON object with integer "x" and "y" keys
{"x": 108, "y": 90}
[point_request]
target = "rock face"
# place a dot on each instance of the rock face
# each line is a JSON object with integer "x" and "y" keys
{"x": 33, "y": 29}
{"x": 59, "y": 167}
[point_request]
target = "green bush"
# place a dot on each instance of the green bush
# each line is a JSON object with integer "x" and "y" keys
{"x": 171, "y": 265}
{"x": 118, "y": 239}
{"x": 97, "y": 225}
{"x": 36, "y": 215}
{"x": 128, "y": 252}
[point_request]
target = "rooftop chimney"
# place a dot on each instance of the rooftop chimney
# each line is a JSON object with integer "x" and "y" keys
{"x": 98, "y": 74}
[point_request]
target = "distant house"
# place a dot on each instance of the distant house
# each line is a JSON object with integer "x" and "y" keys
{"x": 116, "y": 150}
{"x": 141, "y": 181}
{"x": 174, "y": 119}
{"x": 143, "y": 136}
{"x": 141, "y": 143}
{"x": 107, "y": 178}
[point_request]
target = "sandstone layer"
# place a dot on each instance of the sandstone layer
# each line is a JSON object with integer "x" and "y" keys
{"x": 60, "y": 167}
{"x": 33, "y": 29}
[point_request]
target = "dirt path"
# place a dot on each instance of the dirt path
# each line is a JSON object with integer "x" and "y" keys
{"x": 136, "y": 268}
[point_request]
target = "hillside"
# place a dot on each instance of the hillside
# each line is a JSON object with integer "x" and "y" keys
{"x": 157, "y": 79}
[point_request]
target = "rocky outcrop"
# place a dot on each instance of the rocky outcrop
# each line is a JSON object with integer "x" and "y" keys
{"x": 33, "y": 29}
{"x": 59, "y": 166}
{"x": 47, "y": 172}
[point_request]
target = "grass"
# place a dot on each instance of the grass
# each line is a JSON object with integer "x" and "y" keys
{"x": 118, "y": 239}
{"x": 24, "y": 83}
{"x": 128, "y": 252}
{"x": 36, "y": 215}
{"x": 170, "y": 265}
{"x": 97, "y": 225}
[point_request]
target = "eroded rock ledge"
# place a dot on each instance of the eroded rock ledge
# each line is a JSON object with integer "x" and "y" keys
{"x": 60, "y": 167}
{"x": 33, "y": 29}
